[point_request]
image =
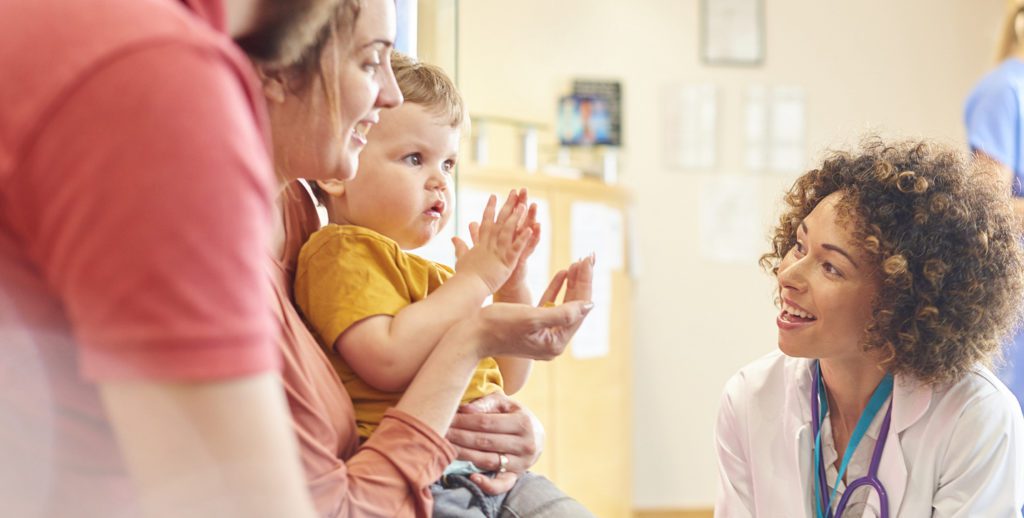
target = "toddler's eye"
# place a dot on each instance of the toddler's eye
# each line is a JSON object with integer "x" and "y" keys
{"x": 413, "y": 159}
{"x": 449, "y": 166}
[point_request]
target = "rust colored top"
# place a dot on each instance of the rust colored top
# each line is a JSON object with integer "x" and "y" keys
{"x": 388, "y": 475}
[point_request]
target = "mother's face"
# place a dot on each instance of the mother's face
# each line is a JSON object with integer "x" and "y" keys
{"x": 319, "y": 130}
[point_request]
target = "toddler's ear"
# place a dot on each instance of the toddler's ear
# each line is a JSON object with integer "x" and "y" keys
{"x": 332, "y": 187}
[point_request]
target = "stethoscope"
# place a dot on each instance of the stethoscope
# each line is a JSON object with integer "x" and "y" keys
{"x": 822, "y": 501}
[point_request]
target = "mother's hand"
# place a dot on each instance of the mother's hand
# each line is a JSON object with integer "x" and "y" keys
{"x": 495, "y": 428}
{"x": 494, "y": 425}
{"x": 539, "y": 333}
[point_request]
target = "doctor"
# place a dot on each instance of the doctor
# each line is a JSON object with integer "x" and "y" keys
{"x": 899, "y": 272}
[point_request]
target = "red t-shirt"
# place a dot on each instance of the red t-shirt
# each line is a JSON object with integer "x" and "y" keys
{"x": 135, "y": 195}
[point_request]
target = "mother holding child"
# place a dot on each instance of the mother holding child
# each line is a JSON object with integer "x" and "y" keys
{"x": 407, "y": 336}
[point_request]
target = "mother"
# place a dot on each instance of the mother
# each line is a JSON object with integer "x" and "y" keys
{"x": 321, "y": 108}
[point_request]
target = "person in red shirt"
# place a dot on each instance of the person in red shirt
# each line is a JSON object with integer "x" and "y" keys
{"x": 137, "y": 366}
{"x": 321, "y": 108}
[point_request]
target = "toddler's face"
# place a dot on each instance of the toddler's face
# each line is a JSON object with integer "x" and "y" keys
{"x": 402, "y": 189}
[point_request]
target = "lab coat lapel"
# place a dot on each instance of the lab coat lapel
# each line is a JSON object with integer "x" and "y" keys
{"x": 798, "y": 414}
{"x": 910, "y": 402}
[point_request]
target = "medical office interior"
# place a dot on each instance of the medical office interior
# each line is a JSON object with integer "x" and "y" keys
{"x": 707, "y": 111}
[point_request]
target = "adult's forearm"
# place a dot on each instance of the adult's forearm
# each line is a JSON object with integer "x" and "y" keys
{"x": 436, "y": 391}
{"x": 219, "y": 449}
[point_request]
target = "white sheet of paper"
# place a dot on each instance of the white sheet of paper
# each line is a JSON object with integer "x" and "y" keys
{"x": 787, "y": 130}
{"x": 538, "y": 266}
{"x": 775, "y": 129}
{"x": 691, "y": 126}
{"x": 593, "y": 338}
{"x": 598, "y": 228}
{"x": 733, "y": 31}
{"x": 731, "y": 227}
{"x": 756, "y": 128}
{"x": 634, "y": 262}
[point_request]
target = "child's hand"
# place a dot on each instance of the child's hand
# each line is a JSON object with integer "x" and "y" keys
{"x": 515, "y": 288}
{"x": 498, "y": 243}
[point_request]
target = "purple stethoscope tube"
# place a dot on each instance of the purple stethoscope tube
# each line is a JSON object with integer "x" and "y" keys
{"x": 871, "y": 479}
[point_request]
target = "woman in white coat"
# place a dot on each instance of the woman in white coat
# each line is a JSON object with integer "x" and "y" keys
{"x": 899, "y": 272}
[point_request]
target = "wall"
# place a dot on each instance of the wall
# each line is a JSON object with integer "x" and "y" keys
{"x": 900, "y": 68}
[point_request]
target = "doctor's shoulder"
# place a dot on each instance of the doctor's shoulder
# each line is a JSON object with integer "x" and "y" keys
{"x": 980, "y": 393}
{"x": 767, "y": 378}
{"x": 966, "y": 417}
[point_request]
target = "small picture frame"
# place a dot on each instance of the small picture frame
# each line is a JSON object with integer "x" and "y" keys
{"x": 584, "y": 120}
{"x": 732, "y": 32}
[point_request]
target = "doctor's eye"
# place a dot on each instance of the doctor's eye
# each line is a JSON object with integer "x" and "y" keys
{"x": 830, "y": 269}
{"x": 798, "y": 249}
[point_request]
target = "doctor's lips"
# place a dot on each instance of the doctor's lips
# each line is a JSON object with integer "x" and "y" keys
{"x": 793, "y": 313}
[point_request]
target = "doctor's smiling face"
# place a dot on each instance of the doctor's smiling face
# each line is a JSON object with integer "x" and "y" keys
{"x": 827, "y": 286}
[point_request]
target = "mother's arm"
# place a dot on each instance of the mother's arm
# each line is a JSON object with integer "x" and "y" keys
{"x": 495, "y": 425}
{"x": 391, "y": 472}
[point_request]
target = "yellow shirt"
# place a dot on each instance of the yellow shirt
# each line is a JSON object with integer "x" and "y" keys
{"x": 348, "y": 273}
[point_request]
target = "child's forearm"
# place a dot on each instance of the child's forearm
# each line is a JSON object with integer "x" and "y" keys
{"x": 514, "y": 373}
{"x": 388, "y": 356}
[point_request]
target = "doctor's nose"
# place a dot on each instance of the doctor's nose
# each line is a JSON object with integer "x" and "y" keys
{"x": 792, "y": 274}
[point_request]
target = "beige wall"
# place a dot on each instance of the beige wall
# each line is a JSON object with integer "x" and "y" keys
{"x": 899, "y": 67}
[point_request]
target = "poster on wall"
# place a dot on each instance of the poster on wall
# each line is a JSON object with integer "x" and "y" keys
{"x": 732, "y": 32}
{"x": 691, "y": 127}
{"x": 775, "y": 129}
{"x": 591, "y": 115}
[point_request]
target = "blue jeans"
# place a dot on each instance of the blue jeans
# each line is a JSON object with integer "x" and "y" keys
{"x": 533, "y": 496}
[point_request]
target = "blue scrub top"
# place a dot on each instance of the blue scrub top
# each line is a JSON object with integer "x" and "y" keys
{"x": 993, "y": 117}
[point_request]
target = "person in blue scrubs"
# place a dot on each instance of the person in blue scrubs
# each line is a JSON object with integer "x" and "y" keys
{"x": 994, "y": 115}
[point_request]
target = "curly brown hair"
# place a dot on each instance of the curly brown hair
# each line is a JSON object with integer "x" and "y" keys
{"x": 941, "y": 232}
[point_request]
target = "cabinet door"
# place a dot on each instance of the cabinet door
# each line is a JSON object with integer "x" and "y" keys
{"x": 584, "y": 403}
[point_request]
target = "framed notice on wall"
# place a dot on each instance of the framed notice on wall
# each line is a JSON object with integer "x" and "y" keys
{"x": 732, "y": 32}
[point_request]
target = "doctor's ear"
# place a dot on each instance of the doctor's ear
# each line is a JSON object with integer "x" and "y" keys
{"x": 333, "y": 188}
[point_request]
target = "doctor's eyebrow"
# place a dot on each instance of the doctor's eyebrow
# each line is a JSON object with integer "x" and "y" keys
{"x": 834, "y": 248}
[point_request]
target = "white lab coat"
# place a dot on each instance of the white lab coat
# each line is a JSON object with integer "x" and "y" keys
{"x": 952, "y": 451}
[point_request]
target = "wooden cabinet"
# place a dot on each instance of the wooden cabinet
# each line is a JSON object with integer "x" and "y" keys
{"x": 584, "y": 403}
